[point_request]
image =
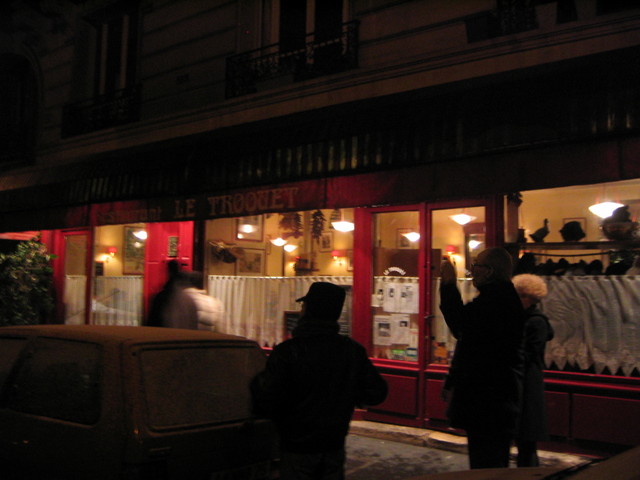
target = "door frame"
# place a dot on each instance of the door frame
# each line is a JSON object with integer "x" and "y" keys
{"x": 59, "y": 270}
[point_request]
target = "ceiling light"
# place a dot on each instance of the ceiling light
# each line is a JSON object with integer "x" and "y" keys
{"x": 290, "y": 247}
{"x": 604, "y": 209}
{"x": 278, "y": 242}
{"x": 343, "y": 226}
{"x": 140, "y": 234}
{"x": 412, "y": 236}
{"x": 462, "y": 218}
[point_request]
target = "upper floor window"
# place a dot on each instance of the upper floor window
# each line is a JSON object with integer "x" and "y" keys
{"x": 115, "y": 31}
{"x": 18, "y": 107}
{"x": 300, "y": 18}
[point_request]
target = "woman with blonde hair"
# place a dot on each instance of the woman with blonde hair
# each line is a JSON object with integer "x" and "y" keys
{"x": 533, "y": 421}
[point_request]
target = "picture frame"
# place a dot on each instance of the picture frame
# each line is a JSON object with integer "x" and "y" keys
{"x": 250, "y": 228}
{"x": 133, "y": 252}
{"x": 350, "y": 260}
{"x": 326, "y": 241}
{"x": 251, "y": 262}
{"x": 403, "y": 242}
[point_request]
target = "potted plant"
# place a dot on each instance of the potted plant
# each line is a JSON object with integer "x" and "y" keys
{"x": 26, "y": 284}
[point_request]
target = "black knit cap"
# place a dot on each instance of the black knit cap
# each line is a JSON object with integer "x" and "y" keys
{"x": 324, "y": 300}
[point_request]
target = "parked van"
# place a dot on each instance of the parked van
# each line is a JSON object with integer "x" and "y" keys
{"x": 108, "y": 402}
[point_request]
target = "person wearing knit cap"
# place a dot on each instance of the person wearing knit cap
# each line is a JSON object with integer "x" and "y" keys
{"x": 311, "y": 385}
{"x": 537, "y": 332}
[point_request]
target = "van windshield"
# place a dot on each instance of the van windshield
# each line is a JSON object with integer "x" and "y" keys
{"x": 198, "y": 385}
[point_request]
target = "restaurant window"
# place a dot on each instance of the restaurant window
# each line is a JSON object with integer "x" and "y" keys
{"x": 458, "y": 234}
{"x": 591, "y": 264}
{"x": 259, "y": 265}
{"x": 395, "y": 287}
{"x": 119, "y": 265}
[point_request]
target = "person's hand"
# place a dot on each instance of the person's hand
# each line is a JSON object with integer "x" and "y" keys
{"x": 447, "y": 272}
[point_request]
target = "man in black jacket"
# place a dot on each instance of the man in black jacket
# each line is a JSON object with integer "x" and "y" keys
{"x": 311, "y": 385}
{"x": 485, "y": 378}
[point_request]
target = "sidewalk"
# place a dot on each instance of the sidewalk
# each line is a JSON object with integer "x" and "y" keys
{"x": 445, "y": 441}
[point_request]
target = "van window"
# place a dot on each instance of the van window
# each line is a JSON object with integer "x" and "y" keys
{"x": 59, "y": 379}
{"x": 10, "y": 348}
{"x": 197, "y": 386}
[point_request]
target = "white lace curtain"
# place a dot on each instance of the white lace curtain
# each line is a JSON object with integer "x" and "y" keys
{"x": 596, "y": 320}
{"x": 118, "y": 300}
{"x": 74, "y": 299}
{"x": 254, "y": 306}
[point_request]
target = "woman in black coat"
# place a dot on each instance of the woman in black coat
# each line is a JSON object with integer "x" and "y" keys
{"x": 538, "y": 331}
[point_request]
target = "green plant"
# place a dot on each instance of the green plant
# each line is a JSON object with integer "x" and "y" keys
{"x": 26, "y": 284}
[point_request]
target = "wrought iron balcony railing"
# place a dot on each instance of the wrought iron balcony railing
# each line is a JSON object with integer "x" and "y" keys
{"x": 246, "y": 72}
{"x": 117, "y": 108}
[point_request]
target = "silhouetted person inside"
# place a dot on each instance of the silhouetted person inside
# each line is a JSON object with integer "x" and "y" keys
{"x": 484, "y": 384}
{"x": 161, "y": 299}
{"x": 190, "y": 306}
{"x": 311, "y": 385}
{"x": 537, "y": 332}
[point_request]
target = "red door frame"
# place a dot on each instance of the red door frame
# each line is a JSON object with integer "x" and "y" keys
{"x": 362, "y": 327}
{"x": 363, "y": 271}
{"x": 58, "y": 247}
{"x": 434, "y": 373}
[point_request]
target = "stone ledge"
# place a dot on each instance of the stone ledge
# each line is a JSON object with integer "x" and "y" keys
{"x": 395, "y": 433}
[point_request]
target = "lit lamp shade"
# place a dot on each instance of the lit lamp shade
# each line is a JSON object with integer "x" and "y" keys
{"x": 278, "y": 242}
{"x": 112, "y": 250}
{"x": 462, "y": 218}
{"x": 604, "y": 209}
{"x": 343, "y": 226}
{"x": 412, "y": 236}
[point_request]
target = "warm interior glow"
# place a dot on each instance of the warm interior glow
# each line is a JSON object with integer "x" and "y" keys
{"x": 462, "y": 218}
{"x": 246, "y": 228}
{"x": 604, "y": 209}
{"x": 343, "y": 226}
{"x": 290, "y": 247}
{"x": 140, "y": 234}
{"x": 412, "y": 236}
{"x": 278, "y": 242}
{"x": 473, "y": 244}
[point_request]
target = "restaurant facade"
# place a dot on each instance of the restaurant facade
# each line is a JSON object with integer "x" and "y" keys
{"x": 367, "y": 191}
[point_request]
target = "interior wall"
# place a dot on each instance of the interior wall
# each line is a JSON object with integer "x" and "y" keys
{"x": 563, "y": 204}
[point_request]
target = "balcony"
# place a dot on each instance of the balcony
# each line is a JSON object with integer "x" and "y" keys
{"x": 270, "y": 66}
{"x": 106, "y": 111}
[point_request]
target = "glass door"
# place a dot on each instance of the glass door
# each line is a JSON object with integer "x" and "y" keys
{"x": 395, "y": 285}
{"x": 75, "y": 277}
{"x": 458, "y": 235}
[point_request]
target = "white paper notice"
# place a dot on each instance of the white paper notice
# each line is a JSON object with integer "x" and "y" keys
{"x": 391, "y": 295}
{"x": 400, "y": 333}
{"x": 382, "y": 330}
{"x": 407, "y": 297}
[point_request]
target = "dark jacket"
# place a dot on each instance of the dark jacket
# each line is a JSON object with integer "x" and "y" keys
{"x": 533, "y": 421}
{"x": 485, "y": 376}
{"x": 311, "y": 385}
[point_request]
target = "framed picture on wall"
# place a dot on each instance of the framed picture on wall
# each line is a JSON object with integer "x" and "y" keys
{"x": 250, "y": 262}
{"x": 350, "y": 260}
{"x": 250, "y": 228}
{"x": 326, "y": 241}
{"x": 401, "y": 240}
{"x": 133, "y": 255}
